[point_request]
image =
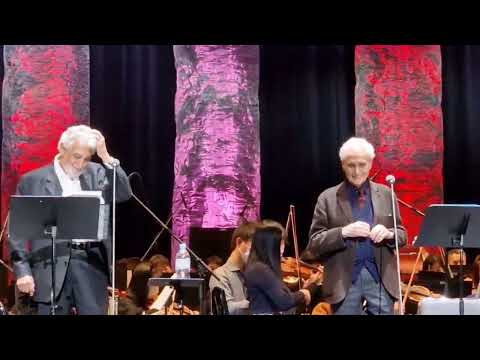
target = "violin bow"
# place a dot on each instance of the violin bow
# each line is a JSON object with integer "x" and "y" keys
{"x": 445, "y": 262}
{"x": 287, "y": 226}
{"x": 1, "y": 238}
{"x": 407, "y": 290}
{"x": 295, "y": 243}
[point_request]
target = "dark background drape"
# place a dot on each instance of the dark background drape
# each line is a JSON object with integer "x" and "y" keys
{"x": 307, "y": 110}
{"x": 461, "y": 112}
{"x": 132, "y": 103}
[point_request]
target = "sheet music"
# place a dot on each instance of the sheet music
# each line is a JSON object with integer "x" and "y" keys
{"x": 164, "y": 296}
{"x": 102, "y": 231}
{"x": 87, "y": 193}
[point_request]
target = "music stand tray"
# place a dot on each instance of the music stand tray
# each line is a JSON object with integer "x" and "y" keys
{"x": 55, "y": 217}
{"x": 451, "y": 226}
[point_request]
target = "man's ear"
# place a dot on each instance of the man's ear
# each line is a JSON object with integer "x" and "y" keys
{"x": 61, "y": 151}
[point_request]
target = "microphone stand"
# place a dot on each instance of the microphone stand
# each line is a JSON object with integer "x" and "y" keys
{"x": 400, "y": 200}
{"x": 114, "y": 305}
{"x": 175, "y": 237}
{"x": 167, "y": 222}
{"x": 161, "y": 231}
{"x": 155, "y": 239}
{"x": 391, "y": 180}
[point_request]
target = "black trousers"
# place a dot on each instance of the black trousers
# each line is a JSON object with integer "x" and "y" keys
{"x": 84, "y": 287}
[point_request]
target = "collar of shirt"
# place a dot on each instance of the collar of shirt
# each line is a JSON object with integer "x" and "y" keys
{"x": 68, "y": 185}
{"x": 231, "y": 266}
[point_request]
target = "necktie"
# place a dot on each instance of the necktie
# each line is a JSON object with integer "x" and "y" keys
{"x": 362, "y": 198}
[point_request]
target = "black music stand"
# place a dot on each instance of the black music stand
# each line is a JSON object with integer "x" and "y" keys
{"x": 55, "y": 217}
{"x": 451, "y": 226}
{"x": 179, "y": 285}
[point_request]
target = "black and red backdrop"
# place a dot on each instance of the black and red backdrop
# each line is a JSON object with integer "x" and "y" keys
{"x": 308, "y": 107}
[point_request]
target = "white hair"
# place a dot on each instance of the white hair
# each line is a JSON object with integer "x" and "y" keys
{"x": 78, "y": 133}
{"x": 356, "y": 145}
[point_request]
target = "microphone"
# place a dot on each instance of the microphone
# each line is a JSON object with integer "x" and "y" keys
{"x": 390, "y": 179}
{"x": 115, "y": 162}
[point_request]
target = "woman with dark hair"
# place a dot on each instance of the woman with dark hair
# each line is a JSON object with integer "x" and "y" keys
{"x": 433, "y": 263}
{"x": 136, "y": 301}
{"x": 475, "y": 274}
{"x": 266, "y": 291}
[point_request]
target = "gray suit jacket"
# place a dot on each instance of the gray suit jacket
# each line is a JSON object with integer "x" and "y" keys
{"x": 36, "y": 262}
{"x": 332, "y": 212}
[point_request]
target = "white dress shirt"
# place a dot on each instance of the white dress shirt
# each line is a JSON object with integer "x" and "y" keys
{"x": 69, "y": 186}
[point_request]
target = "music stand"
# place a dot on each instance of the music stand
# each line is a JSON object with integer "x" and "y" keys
{"x": 179, "y": 285}
{"x": 451, "y": 226}
{"x": 55, "y": 217}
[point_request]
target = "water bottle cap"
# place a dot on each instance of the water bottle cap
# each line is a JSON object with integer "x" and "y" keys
{"x": 183, "y": 247}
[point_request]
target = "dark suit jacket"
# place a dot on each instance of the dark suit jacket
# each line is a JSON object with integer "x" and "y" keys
{"x": 37, "y": 263}
{"x": 332, "y": 212}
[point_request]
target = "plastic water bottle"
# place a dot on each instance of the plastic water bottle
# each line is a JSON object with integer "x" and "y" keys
{"x": 182, "y": 263}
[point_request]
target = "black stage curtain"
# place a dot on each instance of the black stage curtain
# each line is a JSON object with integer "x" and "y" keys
{"x": 132, "y": 103}
{"x": 306, "y": 113}
{"x": 461, "y": 120}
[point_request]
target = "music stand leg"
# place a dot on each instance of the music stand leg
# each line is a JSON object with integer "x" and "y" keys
{"x": 461, "y": 302}
{"x": 52, "y": 291}
{"x": 200, "y": 299}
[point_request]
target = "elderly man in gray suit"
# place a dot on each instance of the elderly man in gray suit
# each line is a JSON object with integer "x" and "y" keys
{"x": 352, "y": 234}
{"x": 82, "y": 268}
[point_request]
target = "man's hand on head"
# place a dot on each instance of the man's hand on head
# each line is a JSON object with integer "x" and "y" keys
{"x": 102, "y": 147}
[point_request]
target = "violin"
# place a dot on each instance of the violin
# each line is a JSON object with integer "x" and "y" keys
{"x": 416, "y": 293}
{"x": 322, "y": 308}
{"x": 290, "y": 272}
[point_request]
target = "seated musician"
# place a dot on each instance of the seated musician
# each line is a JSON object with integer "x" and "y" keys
{"x": 214, "y": 262}
{"x": 316, "y": 295}
{"x": 263, "y": 276}
{"x": 231, "y": 273}
{"x": 475, "y": 275}
{"x": 433, "y": 263}
{"x": 457, "y": 257}
{"x": 159, "y": 268}
{"x": 135, "y": 302}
